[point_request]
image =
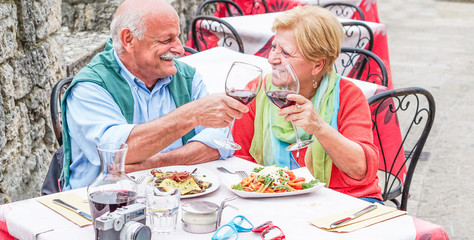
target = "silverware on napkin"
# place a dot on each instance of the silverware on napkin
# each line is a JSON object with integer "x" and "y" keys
{"x": 355, "y": 215}
{"x": 74, "y": 209}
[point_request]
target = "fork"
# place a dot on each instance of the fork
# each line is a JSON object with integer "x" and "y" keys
{"x": 241, "y": 174}
{"x": 140, "y": 179}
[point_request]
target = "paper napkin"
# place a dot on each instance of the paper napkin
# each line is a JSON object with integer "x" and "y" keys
{"x": 380, "y": 214}
{"x": 72, "y": 199}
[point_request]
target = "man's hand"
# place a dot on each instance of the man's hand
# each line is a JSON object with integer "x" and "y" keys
{"x": 218, "y": 110}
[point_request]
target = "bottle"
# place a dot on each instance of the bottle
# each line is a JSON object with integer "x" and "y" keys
{"x": 112, "y": 188}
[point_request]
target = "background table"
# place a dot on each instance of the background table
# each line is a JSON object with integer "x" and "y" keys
{"x": 368, "y": 7}
{"x": 213, "y": 64}
{"x": 256, "y": 34}
{"x": 29, "y": 219}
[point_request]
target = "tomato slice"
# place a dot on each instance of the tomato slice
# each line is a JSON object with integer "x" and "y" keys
{"x": 299, "y": 179}
{"x": 291, "y": 175}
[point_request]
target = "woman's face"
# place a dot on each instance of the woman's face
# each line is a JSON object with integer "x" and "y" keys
{"x": 284, "y": 50}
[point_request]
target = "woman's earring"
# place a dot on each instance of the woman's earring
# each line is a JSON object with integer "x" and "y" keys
{"x": 315, "y": 83}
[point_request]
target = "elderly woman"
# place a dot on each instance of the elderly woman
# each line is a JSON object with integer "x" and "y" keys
{"x": 343, "y": 154}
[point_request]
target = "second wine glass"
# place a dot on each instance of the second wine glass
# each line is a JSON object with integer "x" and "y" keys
{"x": 242, "y": 83}
{"x": 284, "y": 82}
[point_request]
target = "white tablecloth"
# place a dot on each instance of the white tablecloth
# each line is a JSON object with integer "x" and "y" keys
{"x": 291, "y": 214}
{"x": 255, "y": 30}
{"x": 213, "y": 64}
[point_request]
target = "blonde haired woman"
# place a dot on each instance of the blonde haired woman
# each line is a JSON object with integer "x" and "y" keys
{"x": 329, "y": 109}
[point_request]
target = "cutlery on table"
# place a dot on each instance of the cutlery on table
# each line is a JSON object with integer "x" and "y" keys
{"x": 242, "y": 174}
{"x": 74, "y": 209}
{"x": 355, "y": 215}
{"x": 139, "y": 180}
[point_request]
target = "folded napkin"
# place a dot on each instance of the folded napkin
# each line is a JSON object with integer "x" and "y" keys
{"x": 380, "y": 214}
{"x": 72, "y": 199}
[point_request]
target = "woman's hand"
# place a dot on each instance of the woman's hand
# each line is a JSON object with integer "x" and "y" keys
{"x": 302, "y": 114}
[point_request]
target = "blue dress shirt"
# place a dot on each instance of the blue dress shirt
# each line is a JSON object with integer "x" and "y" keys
{"x": 93, "y": 117}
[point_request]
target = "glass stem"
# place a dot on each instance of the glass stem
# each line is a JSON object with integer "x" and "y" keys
{"x": 296, "y": 132}
{"x": 230, "y": 130}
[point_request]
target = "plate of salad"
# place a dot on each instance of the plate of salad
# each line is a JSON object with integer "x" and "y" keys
{"x": 273, "y": 181}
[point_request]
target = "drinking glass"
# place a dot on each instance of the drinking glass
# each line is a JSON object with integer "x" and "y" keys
{"x": 162, "y": 208}
{"x": 285, "y": 82}
{"x": 242, "y": 83}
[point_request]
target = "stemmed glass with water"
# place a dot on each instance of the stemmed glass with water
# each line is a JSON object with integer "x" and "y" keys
{"x": 242, "y": 83}
{"x": 284, "y": 82}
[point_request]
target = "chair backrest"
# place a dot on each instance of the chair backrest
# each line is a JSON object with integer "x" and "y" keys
{"x": 189, "y": 51}
{"x": 413, "y": 109}
{"x": 219, "y": 8}
{"x": 361, "y": 64}
{"x": 345, "y": 10}
{"x": 358, "y": 35}
{"x": 208, "y": 32}
{"x": 55, "y": 106}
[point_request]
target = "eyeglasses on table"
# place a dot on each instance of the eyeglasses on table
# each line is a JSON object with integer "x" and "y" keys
{"x": 269, "y": 231}
{"x": 230, "y": 231}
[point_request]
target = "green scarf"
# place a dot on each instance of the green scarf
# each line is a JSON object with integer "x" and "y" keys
{"x": 267, "y": 122}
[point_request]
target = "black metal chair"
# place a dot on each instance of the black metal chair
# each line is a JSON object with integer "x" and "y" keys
{"x": 359, "y": 34}
{"x": 203, "y": 31}
{"x": 362, "y": 65}
{"x": 189, "y": 51}
{"x": 52, "y": 182}
{"x": 223, "y": 8}
{"x": 414, "y": 110}
{"x": 345, "y": 10}
{"x": 55, "y": 106}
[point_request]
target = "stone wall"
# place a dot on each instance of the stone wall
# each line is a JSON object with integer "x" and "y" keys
{"x": 30, "y": 63}
{"x": 41, "y": 42}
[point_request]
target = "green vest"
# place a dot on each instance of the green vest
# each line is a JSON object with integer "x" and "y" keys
{"x": 105, "y": 71}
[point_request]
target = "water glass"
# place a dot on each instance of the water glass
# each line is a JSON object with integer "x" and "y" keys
{"x": 162, "y": 208}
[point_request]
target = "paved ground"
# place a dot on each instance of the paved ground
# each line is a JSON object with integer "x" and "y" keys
{"x": 431, "y": 45}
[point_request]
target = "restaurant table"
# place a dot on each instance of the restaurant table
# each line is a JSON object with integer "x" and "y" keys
{"x": 256, "y": 34}
{"x": 368, "y": 7}
{"x": 29, "y": 219}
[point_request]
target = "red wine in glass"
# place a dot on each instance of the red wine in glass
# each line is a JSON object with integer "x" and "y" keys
{"x": 242, "y": 83}
{"x": 243, "y": 96}
{"x": 278, "y": 98}
{"x": 284, "y": 81}
{"x": 105, "y": 201}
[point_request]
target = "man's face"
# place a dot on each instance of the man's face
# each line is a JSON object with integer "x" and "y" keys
{"x": 153, "y": 54}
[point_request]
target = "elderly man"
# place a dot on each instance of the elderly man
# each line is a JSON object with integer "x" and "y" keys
{"x": 136, "y": 92}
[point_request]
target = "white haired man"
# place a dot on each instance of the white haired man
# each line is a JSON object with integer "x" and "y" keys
{"x": 136, "y": 92}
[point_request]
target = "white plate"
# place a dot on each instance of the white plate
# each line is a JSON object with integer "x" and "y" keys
{"x": 201, "y": 174}
{"x": 300, "y": 172}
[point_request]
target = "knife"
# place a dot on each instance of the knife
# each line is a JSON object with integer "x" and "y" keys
{"x": 355, "y": 215}
{"x": 74, "y": 209}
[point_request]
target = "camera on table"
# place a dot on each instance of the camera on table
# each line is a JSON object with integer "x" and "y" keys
{"x": 126, "y": 223}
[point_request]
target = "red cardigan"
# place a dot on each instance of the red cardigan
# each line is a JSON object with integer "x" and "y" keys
{"x": 354, "y": 123}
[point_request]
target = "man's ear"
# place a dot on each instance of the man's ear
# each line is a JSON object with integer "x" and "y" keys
{"x": 318, "y": 66}
{"x": 127, "y": 39}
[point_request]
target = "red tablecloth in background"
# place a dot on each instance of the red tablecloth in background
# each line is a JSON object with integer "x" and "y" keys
{"x": 250, "y": 7}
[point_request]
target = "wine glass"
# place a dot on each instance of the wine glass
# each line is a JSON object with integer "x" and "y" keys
{"x": 242, "y": 83}
{"x": 285, "y": 82}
